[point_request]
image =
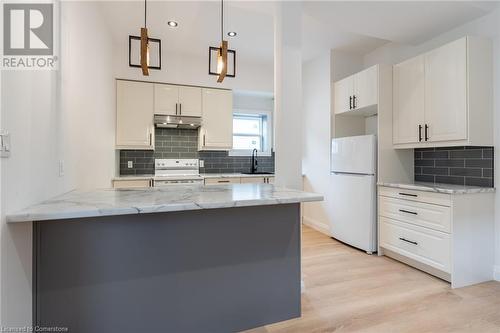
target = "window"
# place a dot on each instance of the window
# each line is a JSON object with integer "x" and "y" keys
{"x": 251, "y": 131}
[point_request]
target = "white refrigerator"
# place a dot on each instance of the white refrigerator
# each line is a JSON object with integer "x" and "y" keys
{"x": 353, "y": 171}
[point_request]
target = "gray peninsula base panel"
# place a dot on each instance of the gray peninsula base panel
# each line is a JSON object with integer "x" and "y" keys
{"x": 214, "y": 270}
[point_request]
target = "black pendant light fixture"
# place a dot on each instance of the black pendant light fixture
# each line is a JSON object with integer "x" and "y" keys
{"x": 225, "y": 58}
{"x": 139, "y": 48}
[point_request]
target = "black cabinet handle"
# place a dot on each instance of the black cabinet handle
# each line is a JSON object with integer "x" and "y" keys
{"x": 180, "y": 109}
{"x": 408, "y": 212}
{"x": 408, "y": 241}
{"x": 419, "y": 133}
{"x": 350, "y": 102}
{"x": 408, "y": 194}
{"x": 426, "y": 132}
{"x": 354, "y": 101}
{"x": 223, "y": 181}
{"x": 176, "y": 108}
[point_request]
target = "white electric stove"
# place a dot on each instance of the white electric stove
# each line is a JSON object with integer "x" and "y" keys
{"x": 177, "y": 172}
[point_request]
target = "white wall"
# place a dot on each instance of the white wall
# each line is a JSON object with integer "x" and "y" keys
{"x": 488, "y": 26}
{"x": 87, "y": 96}
{"x": 179, "y": 68}
{"x": 288, "y": 94}
{"x": 316, "y": 92}
{"x": 63, "y": 115}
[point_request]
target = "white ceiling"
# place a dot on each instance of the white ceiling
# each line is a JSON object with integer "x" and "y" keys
{"x": 353, "y": 26}
{"x": 199, "y": 26}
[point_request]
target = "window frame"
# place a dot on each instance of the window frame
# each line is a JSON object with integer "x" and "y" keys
{"x": 266, "y": 137}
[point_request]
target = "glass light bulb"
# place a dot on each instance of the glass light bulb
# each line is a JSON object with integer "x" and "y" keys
{"x": 220, "y": 64}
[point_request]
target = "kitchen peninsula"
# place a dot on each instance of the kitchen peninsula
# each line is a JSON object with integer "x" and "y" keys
{"x": 172, "y": 259}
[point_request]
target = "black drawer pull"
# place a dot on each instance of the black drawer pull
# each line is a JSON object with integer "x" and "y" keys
{"x": 408, "y": 194}
{"x": 223, "y": 181}
{"x": 408, "y": 241}
{"x": 408, "y": 212}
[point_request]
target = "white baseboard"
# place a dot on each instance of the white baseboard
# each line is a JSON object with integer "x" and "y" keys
{"x": 496, "y": 273}
{"x": 316, "y": 225}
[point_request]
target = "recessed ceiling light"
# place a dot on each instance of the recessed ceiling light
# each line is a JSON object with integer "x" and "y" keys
{"x": 232, "y": 34}
{"x": 172, "y": 24}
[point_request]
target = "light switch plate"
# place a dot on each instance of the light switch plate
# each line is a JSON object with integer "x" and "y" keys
{"x": 202, "y": 163}
{"x": 61, "y": 168}
{"x": 4, "y": 143}
{"x": 130, "y": 164}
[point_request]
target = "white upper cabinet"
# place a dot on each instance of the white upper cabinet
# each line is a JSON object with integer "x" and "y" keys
{"x": 343, "y": 95}
{"x": 447, "y": 94}
{"x": 134, "y": 115}
{"x": 408, "y": 95}
{"x": 216, "y": 132}
{"x": 356, "y": 92}
{"x": 366, "y": 88}
{"x": 173, "y": 100}
{"x": 166, "y": 99}
{"x": 190, "y": 101}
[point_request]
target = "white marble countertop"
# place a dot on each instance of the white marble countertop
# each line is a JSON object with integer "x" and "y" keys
{"x": 439, "y": 188}
{"x": 203, "y": 175}
{"x": 106, "y": 202}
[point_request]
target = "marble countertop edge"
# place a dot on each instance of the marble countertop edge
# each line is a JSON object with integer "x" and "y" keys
{"x": 109, "y": 202}
{"x": 439, "y": 188}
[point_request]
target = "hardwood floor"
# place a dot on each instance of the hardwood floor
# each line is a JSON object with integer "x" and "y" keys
{"x": 347, "y": 290}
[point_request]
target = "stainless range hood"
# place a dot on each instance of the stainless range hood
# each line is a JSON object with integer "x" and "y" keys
{"x": 177, "y": 121}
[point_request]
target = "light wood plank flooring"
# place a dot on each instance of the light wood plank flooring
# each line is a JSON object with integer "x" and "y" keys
{"x": 350, "y": 291}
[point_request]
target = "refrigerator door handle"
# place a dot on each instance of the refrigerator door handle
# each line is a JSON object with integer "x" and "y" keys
{"x": 353, "y": 173}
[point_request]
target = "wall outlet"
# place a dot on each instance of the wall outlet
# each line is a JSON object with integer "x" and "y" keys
{"x": 202, "y": 163}
{"x": 130, "y": 164}
{"x": 61, "y": 168}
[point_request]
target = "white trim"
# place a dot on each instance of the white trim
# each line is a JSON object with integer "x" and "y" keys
{"x": 270, "y": 136}
{"x": 247, "y": 152}
{"x": 316, "y": 225}
{"x": 496, "y": 272}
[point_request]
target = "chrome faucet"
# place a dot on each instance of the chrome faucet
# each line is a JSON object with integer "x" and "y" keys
{"x": 254, "y": 161}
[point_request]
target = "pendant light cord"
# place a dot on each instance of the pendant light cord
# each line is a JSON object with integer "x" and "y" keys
{"x": 145, "y": 13}
{"x": 221, "y": 20}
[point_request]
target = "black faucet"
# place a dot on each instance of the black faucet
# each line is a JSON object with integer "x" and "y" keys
{"x": 254, "y": 161}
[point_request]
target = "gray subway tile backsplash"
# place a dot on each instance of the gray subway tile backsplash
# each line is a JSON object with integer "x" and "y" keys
{"x": 455, "y": 165}
{"x": 183, "y": 143}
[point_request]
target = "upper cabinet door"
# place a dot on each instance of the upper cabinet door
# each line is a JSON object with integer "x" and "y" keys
{"x": 408, "y": 95}
{"x": 217, "y": 128}
{"x": 189, "y": 101}
{"x": 166, "y": 99}
{"x": 446, "y": 92}
{"x": 134, "y": 115}
{"x": 366, "y": 88}
{"x": 343, "y": 95}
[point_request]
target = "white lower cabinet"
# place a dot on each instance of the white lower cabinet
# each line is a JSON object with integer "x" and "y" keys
{"x": 132, "y": 183}
{"x": 239, "y": 180}
{"x": 422, "y": 244}
{"x": 222, "y": 180}
{"x": 447, "y": 235}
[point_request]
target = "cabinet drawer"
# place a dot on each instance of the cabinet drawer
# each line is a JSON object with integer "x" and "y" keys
{"x": 252, "y": 180}
{"x": 132, "y": 183}
{"x": 225, "y": 180}
{"x": 427, "y": 246}
{"x": 423, "y": 214}
{"x": 419, "y": 196}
